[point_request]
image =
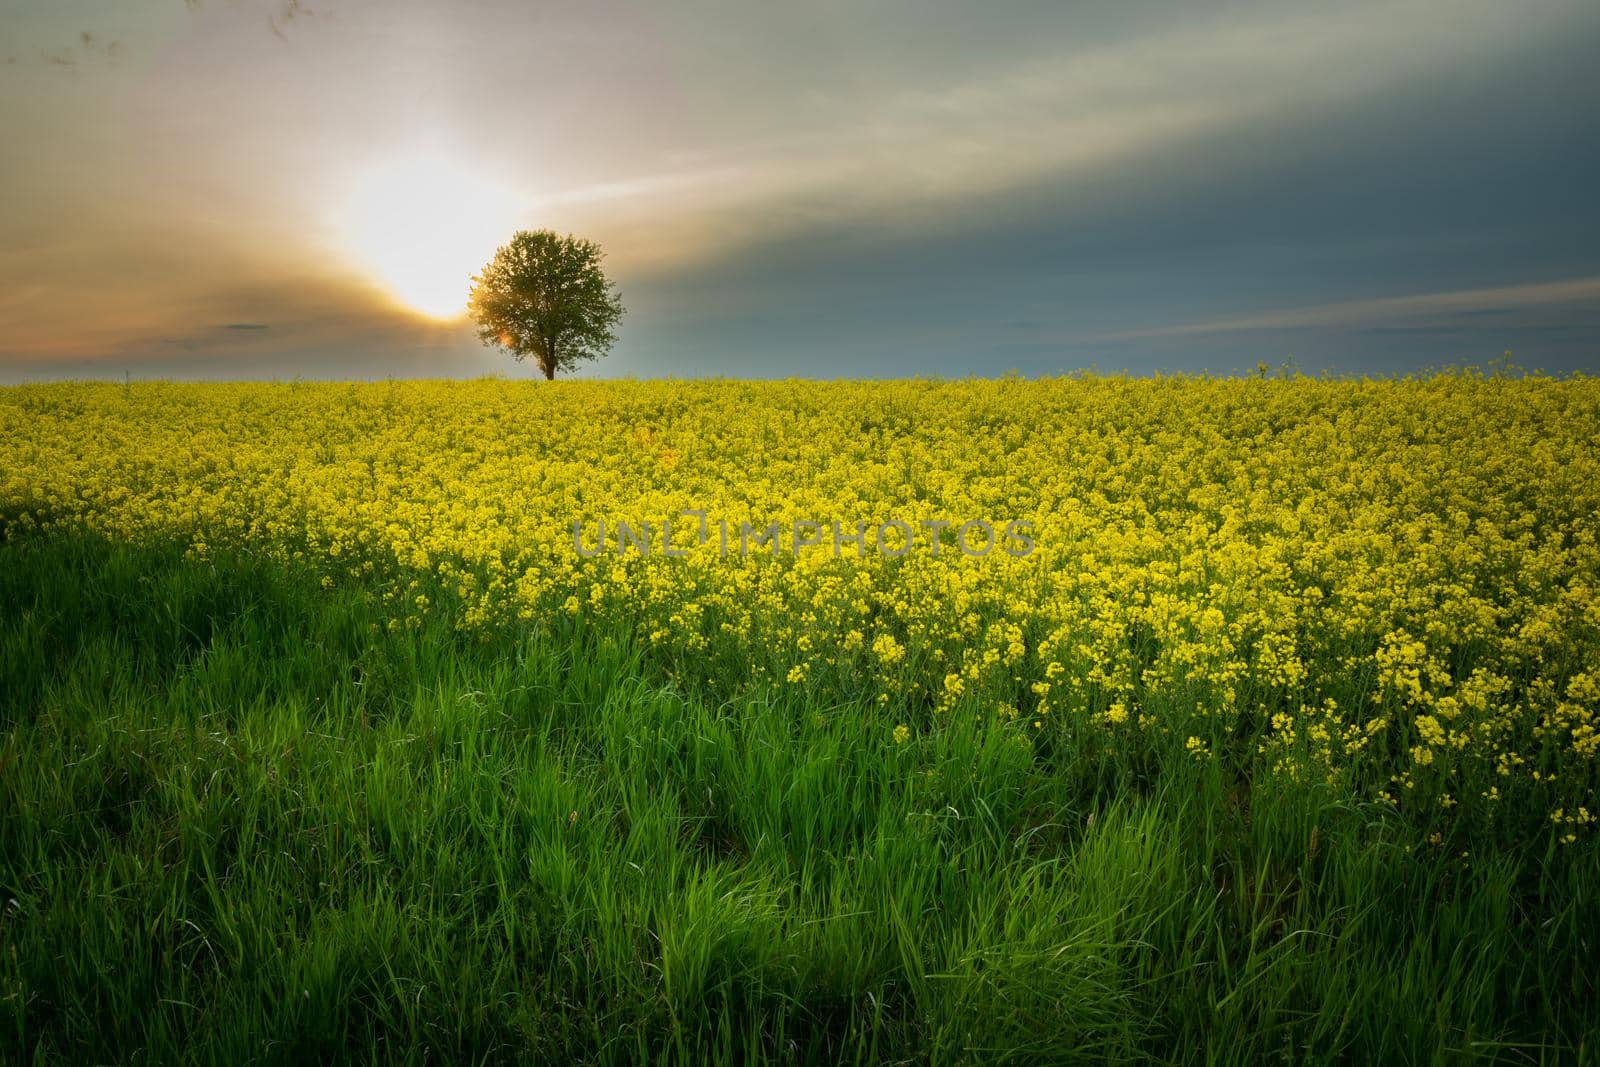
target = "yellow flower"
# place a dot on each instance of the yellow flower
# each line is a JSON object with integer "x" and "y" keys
{"x": 1204, "y": 549}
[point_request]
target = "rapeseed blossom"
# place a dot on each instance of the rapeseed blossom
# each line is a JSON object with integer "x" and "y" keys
{"x": 1386, "y": 586}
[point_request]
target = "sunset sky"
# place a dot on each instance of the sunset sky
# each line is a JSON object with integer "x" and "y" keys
{"x": 266, "y": 188}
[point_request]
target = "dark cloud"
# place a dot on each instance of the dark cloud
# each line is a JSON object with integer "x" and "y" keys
{"x": 1480, "y": 177}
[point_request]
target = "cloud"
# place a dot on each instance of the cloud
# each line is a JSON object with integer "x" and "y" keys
{"x": 1490, "y": 301}
{"x": 1077, "y": 114}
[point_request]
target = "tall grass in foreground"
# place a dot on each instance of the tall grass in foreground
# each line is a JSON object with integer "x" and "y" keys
{"x": 242, "y": 820}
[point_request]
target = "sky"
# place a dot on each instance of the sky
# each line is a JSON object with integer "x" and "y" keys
{"x": 226, "y": 189}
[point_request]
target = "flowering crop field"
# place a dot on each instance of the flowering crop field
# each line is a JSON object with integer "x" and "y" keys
{"x": 1072, "y": 719}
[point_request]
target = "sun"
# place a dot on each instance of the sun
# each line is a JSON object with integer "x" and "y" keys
{"x": 423, "y": 226}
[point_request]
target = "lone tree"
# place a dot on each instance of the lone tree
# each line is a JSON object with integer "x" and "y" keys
{"x": 545, "y": 296}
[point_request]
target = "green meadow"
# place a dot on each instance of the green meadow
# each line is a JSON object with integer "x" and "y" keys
{"x": 243, "y": 821}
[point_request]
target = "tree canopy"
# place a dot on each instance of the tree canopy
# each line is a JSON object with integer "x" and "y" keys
{"x": 544, "y": 295}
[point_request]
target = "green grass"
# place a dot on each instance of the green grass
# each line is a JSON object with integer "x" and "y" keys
{"x": 241, "y": 821}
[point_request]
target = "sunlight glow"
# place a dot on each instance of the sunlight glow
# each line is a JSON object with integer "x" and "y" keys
{"x": 423, "y": 226}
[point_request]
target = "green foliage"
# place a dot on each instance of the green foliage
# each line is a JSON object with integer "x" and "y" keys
{"x": 242, "y": 820}
{"x": 545, "y": 295}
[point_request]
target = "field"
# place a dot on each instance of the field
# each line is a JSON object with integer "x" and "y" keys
{"x": 1079, "y": 719}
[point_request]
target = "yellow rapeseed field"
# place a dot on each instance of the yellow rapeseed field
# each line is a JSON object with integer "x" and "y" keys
{"x": 1384, "y": 586}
